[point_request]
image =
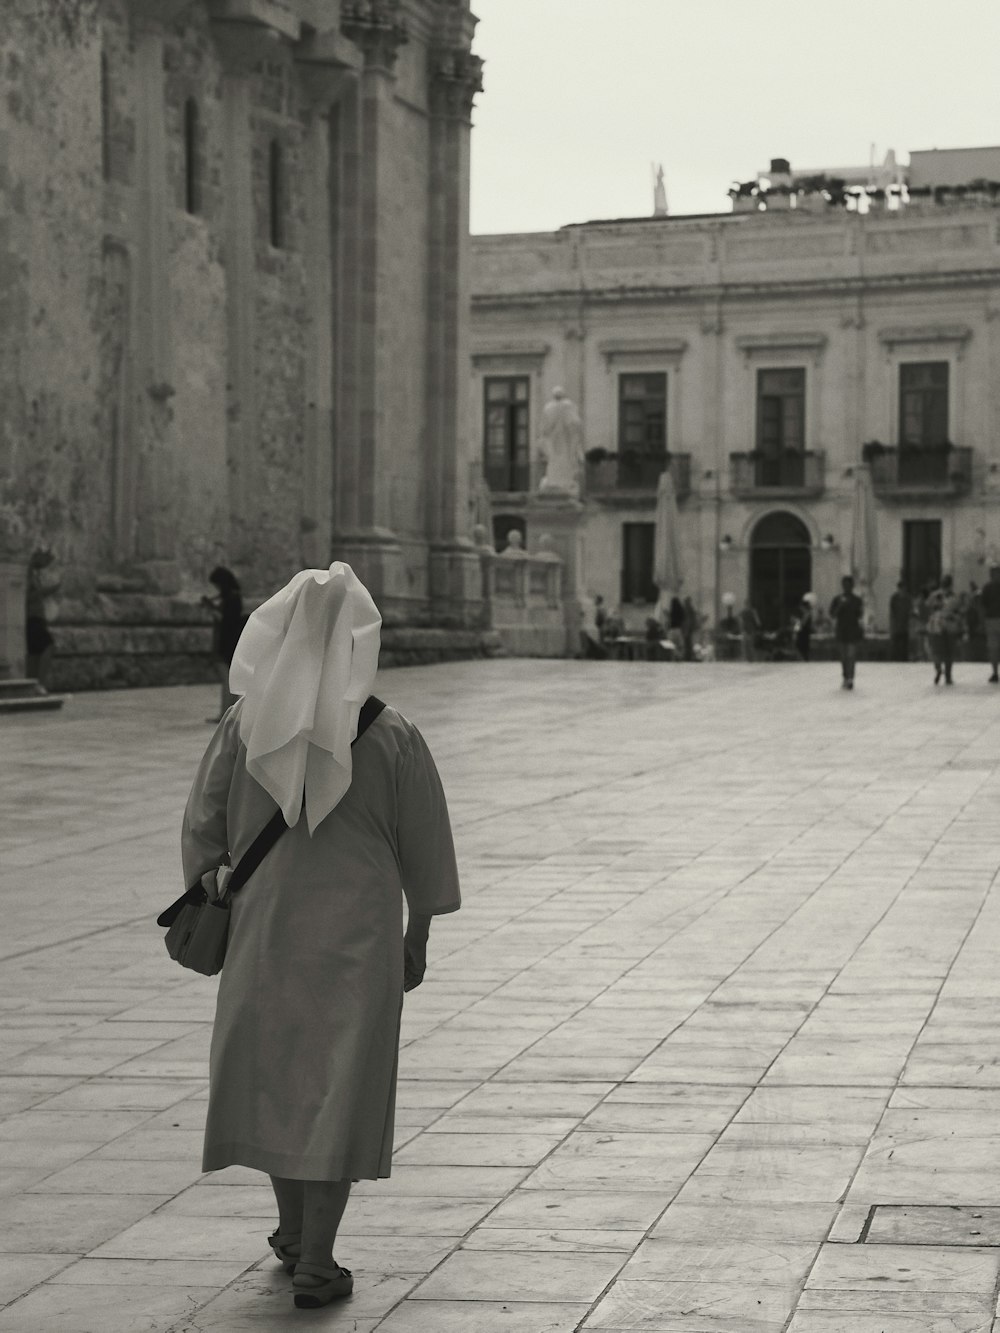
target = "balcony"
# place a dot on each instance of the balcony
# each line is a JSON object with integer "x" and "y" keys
{"x": 794, "y": 473}
{"x": 623, "y": 475}
{"x": 926, "y": 473}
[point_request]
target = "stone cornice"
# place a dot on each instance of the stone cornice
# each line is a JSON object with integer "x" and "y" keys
{"x": 275, "y": 17}
{"x": 456, "y": 78}
{"x": 853, "y": 286}
{"x": 377, "y": 28}
{"x": 927, "y": 333}
{"x": 614, "y": 349}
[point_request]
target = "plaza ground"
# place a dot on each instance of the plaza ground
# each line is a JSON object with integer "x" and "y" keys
{"x": 712, "y": 1045}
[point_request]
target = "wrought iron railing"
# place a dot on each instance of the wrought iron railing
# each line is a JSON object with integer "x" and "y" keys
{"x": 925, "y": 470}
{"x": 637, "y": 471}
{"x": 790, "y": 472}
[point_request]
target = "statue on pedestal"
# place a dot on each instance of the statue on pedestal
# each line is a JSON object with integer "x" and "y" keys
{"x": 561, "y": 446}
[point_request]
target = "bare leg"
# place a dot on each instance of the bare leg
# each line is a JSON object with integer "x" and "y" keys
{"x": 324, "y": 1202}
{"x": 289, "y": 1194}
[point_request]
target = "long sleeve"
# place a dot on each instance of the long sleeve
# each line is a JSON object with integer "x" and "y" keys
{"x": 423, "y": 829}
{"x": 204, "y": 833}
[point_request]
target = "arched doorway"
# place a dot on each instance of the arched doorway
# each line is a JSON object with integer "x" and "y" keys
{"x": 780, "y": 568}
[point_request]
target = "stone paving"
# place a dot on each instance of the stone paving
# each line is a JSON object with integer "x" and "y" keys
{"x": 712, "y": 1045}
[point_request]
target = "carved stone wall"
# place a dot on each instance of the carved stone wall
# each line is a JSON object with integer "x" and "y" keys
{"x": 223, "y": 227}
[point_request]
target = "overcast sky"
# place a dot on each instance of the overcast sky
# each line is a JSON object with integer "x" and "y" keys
{"x": 582, "y": 95}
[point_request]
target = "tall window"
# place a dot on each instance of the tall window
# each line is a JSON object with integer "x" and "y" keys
{"x": 276, "y": 195}
{"x": 642, "y": 414}
{"x": 192, "y": 165}
{"x": 923, "y": 404}
{"x": 105, "y": 118}
{"x": 921, "y": 553}
{"x": 507, "y": 454}
{"x": 781, "y": 427}
{"x": 637, "y": 562}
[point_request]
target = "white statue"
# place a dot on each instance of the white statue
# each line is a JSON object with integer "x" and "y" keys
{"x": 561, "y": 445}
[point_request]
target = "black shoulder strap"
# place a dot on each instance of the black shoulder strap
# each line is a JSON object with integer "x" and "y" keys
{"x": 276, "y": 825}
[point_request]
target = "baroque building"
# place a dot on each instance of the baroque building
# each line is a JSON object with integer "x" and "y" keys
{"x": 819, "y": 370}
{"x": 234, "y": 258}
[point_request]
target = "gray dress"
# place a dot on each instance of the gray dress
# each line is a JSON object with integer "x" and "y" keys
{"x": 306, "y": 1036}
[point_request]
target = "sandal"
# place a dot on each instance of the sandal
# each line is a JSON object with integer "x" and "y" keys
{"x": 339, "y": 1282}
{"x": 280, "y": 1243}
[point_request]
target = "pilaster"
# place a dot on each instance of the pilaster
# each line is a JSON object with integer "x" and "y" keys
{"x": 456, "y": 77}
{"x": 152, "y": 382}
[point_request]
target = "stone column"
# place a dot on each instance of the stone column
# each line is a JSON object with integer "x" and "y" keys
{"x": 239, "y": 47}
{"x": 322, "y": 86}
{"x": 362, "y": 534}
{"x": 456, "y": 77}
{"x": 152, "y": 387}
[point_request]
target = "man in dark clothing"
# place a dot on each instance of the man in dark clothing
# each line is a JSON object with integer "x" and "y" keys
{"x": 899, "y": 623}
{"x": 846, "y": 610}
{"x": 989, "y": 603}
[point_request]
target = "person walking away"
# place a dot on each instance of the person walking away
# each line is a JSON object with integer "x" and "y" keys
{"x": 847, "y": 612}
{"x": 690, "y": 628}
{"x": 306, "y": 1036}
{"x": 749, "y": 629}
{"x": 40, "y": 609}
{"x": 899, "y": 623}
{"x": 227, "y": 613}
{"x": 804, "y": 629}
{"x": 989, "y": 605}
{"x": 945, "y": 625}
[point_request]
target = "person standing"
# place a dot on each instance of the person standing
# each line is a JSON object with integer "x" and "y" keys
{"x": 804, "y": 628}
{"x": 305, "y": 1042}
{"x": 899, "y": 623}
{"x": 847, "y": 611}
{"x": 40, "y": 608}
{"x": 227, "y": 612}
{"x": 749, "y": 628}
{"x": 691, "y": 623}
{"x": 944, "y": 628}
{"x": 989, "y": 604}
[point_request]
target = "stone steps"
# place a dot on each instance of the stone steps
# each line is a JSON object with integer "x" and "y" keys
{"x": 24, "y": 695}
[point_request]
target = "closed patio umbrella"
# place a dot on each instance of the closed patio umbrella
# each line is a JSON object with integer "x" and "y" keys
{"x": 666, "y": 545}
{"x": 864, "y": 529}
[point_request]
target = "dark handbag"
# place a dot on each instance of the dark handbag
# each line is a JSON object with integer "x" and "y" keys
{"x": 197, "y": 929}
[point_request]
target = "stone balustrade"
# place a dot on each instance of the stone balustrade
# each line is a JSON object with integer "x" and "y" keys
{"x": 526, "y": 601}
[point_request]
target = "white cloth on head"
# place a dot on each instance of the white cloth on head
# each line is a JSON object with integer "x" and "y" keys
{"x": 305, "y": 664}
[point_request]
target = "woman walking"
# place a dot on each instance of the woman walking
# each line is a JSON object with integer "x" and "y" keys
{"x": 227, "y": 612}
{"x": 945, "y": 616}
{"x": 306, "y": 1036}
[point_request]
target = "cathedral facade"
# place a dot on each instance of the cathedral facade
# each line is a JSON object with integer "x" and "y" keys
{"x": 234, "y": 256}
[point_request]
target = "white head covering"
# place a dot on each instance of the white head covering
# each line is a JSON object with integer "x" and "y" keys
{"x": 305, "y": 664}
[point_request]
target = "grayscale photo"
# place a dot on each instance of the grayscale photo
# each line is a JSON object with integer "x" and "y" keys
{"x": 499, "y": 666}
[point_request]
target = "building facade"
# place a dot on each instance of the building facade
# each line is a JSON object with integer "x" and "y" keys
{"x": 781, "y": 364}
{"x": 234, "y": 257}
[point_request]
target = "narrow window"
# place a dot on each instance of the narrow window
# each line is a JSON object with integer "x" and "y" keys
{"x": 923, "y": 404}
{"x": 276, "y": 196}
{"x": 781, "y": 427}
{"x": 507, "y": 447}
{"x": 642, "y": 414}
{"x": 105, "y": 118}
{"x": 921, "y": 553}
{"x": 192, "y": 173}
{"x": 638, "y": 540}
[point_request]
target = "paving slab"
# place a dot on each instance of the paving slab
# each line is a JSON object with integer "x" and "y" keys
{"x": 711, "y": 1047}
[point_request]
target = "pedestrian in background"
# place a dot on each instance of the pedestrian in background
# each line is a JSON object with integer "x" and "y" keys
{"x": 749, "y": 629}
{"x": 989, "y": 604}
{"x": 945, "y": 625}
{"x": 847, "y": 612}
{"x": 40, "y": 610}
{"x": 899, "y": 623}
{"x": 691, "y": 623}
{"x": 804, "y": 628}
{"x": 306, "y": 1036}
{"x": 227, "y": 614}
